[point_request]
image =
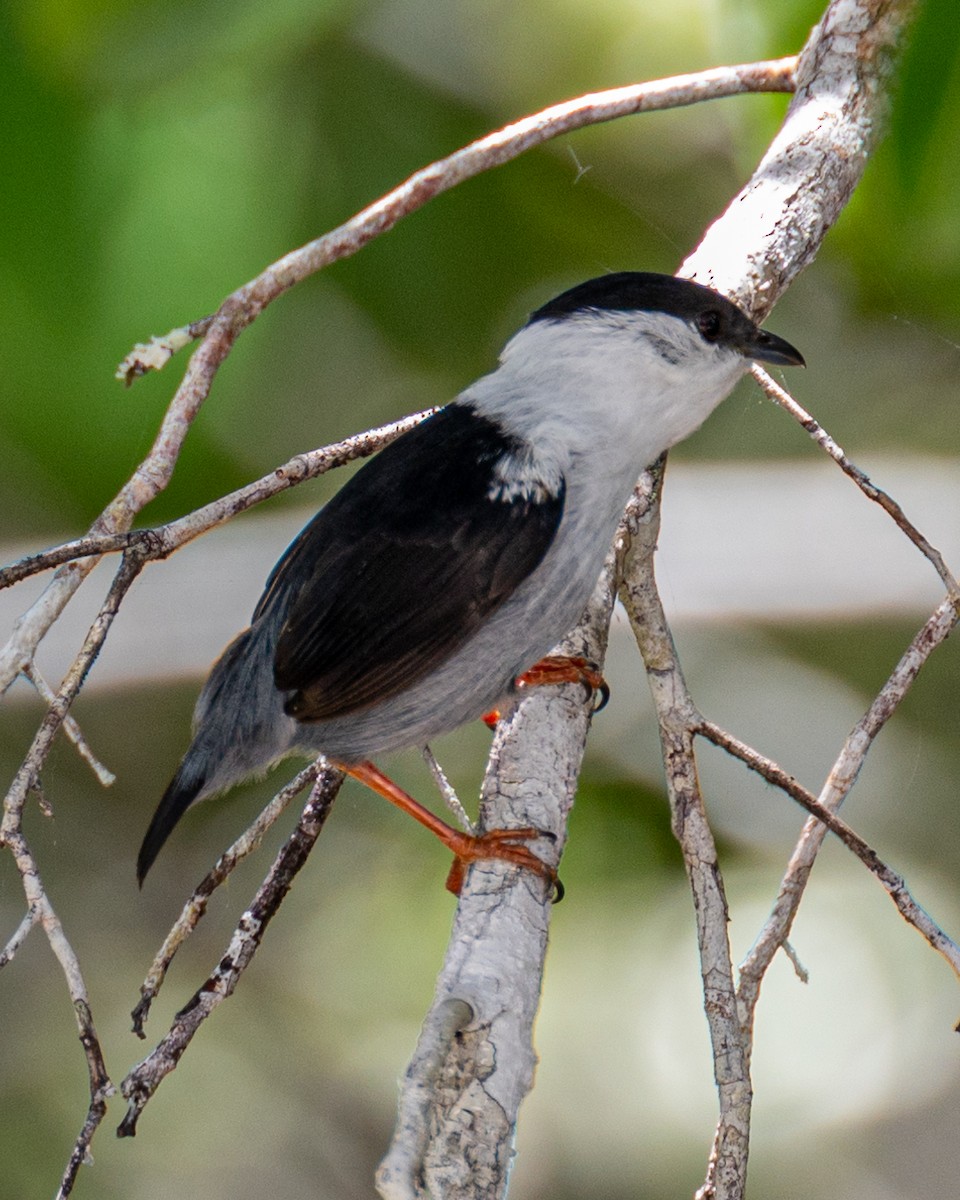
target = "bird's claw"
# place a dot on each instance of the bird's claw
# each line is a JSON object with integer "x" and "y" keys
{"x": 568, "y": 668}
{"x": 507, "y": 845}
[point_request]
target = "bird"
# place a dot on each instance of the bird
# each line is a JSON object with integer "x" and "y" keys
{"x": 449, "y": 565}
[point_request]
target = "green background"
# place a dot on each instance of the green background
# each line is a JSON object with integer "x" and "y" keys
{"x": 155, "y": 156}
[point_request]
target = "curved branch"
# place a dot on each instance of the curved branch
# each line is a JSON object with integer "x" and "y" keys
{"x": 492, "y": 150}
{"x": 774, "y": 227}
{"x": 245, "y": 305}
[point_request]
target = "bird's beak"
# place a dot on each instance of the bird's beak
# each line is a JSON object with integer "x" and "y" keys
{"x": 768, "y": 348}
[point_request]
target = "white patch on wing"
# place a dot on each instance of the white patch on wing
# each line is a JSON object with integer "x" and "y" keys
{"x": 522, "y": 477}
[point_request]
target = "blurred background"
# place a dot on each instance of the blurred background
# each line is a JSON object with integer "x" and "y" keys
{"x": 156, "y": 156}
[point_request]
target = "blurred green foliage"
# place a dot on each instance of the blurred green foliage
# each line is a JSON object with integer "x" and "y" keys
{"x": 156, "y": 156}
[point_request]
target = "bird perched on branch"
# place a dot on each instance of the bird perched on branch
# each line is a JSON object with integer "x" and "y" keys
{"x": 443, "y": 571}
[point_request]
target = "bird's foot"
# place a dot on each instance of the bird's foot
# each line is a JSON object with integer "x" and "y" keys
{"x": 505, "y": 845}
{"x": 467, "y": 848}
{"x": 560, "y": 668}
{"x": 568, "y": 668}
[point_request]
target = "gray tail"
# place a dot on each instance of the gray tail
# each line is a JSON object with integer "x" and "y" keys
{"x": 239, "y": 730}
{"x": 183, "y": 790}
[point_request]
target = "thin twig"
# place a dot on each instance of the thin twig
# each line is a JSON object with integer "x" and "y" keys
{"x": 157, "y": 352}
{"x": 11, "y": 835}
{"x": 890, "y": 506}
{"x": 104, "y": 775}
{"x": 101, "y": 1089}
{"x": 677, "y": 719}
{"x": 30, "y": 918}
{"x": 492, "y": 150}
{"x": 141, "y": 1083}
{"x": 196, "y": 906}
{"x": 841, "y": 778}
{"x": 163, "y": 540}
{"x": 28, "y": 776}
{"x": 29, "y": 773}
{"x": 799, "y": 969}
{"x": 894, "y": 883}
{"x": 447, "y": 791}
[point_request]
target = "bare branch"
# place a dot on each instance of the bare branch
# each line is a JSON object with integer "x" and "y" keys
{"x": 196, "y": 906}
{"x": 678, "y": 719}
{"x": 493, "y": 150}
{"x": 11, "y": 836}
{"x": 29, "y": 773}
{"x": 104, "y": 775}
{"x": 155, "y": 354}
{"x": 488, "y": 988}
{"x": 101, "y": 1089}
{"x": 782, "y": 397}
{"x": 403, "y": 1164}
{"x": 447, "y": 792}
{"x": 163, "y": 540}
{"x": 775, "y": 226}
{"x": 30, "y": 918}
{"x": 841, "y": 778}
{"x": 799, "y": 969}
{"x": 42, "y": 911}
{"x": 141, "y": 1083}
{"x": 909, "y": 909}
{"x": 767, "y": 235}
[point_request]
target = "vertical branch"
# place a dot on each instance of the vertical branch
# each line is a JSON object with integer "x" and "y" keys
{"x": 12, "y": 836}
{"x": 678, "y": 720}
{"x": 101, "y": 1089}
{"x": 767, "y": 235}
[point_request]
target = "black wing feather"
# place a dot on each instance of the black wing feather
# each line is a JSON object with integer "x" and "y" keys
{"x": 403, "y": 564}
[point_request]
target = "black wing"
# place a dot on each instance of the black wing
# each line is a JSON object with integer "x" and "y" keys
{"x": 404, "y": 563}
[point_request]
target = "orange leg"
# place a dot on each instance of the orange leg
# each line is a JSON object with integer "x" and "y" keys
{"x": 505, "y": 844}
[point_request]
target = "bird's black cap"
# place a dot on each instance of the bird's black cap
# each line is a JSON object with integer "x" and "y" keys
{"x": 719, "y": 319}
{"x": 627, "y": 290}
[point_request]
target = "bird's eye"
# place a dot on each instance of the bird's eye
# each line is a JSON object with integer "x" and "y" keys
{"x": 709, "y": 324}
